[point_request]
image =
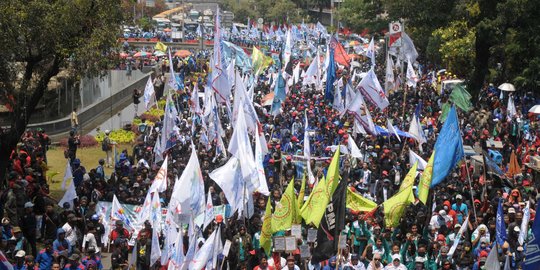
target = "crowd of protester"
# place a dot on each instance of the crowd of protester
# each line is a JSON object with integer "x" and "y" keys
{"x": 38, "y": 233}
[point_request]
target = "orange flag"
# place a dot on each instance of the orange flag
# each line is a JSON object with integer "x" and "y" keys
{"x": 513, "y": 167}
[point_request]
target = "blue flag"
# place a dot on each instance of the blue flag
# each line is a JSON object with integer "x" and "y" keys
{"x": 279, "y": 95}
{"x": 330, "y": 78}
{"x": 500, "y": 227}
{"x": 448, "y": 148}
{"x": 532, "y": 251}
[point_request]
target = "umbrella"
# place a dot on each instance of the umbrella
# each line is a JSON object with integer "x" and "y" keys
{"x": 159, "y": 53}
{"x": 182, "y": 53}
{"x": 535, "y": 109}
{"x": 507, "y": 87}
{"x": 141, "y": 54}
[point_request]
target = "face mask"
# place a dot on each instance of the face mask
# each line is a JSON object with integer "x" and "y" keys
{"x": 421, "y": 254}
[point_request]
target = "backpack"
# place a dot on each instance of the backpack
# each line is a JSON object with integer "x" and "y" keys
{"x": 105, "y": 144}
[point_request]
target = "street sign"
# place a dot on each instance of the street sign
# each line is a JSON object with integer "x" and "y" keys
{"x": 395, "y": 30}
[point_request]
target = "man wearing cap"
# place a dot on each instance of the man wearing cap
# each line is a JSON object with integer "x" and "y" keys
{"x": 395, "y": 264}
{"x": 74, "y": 263}
{"x": 461, "y": 209}
{"x": 19, "y": 260}
{"x": 45, "y": 257}
{"x": 119, "y": 231}
{"x": 28, "y": 226}
{"x": 290, "y": 264}
{"x": 21, "y": 243}
{"x": 354, "y": 264}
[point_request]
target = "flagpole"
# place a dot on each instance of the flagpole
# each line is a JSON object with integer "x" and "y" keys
{"x": 468, "y": 174}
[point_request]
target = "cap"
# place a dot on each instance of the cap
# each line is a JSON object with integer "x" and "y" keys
{"x": 5, "y": 220}
{"x": 511, "y": 210}
{"x": 219, "y": 218}
{"x": 95, "y": 217}
{"x": 16, "y": 229}
{"x": 119, "y": 222}
{"x": 396, "y": 257}
{"x": 20, "y": 254}
{"x": 516, "y": 229}
{"x": 442, "y": 212}
{"x": 290, "y": 258}
{"x": 457, "y": 226}
{"x": 419, "y": 259}
{"x": 458, "y": 197}
{"x": 28, "y": 205}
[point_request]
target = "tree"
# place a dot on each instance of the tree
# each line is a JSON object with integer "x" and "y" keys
{"x": 38, "y": 39}
{"x": 362, "y": 14}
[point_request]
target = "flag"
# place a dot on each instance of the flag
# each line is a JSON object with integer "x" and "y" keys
{"x": 169, "y": 133}
{"x": 409, "y": 178}
{"x": 413, "y": 157}
{"x": 209, "y": 211}
{"x": 370, "y": 53}
{"x": 332, "y": 223}
{"x": 205, "y": 253}
{"x": 392, "y": 130}
{"x": 491, "y": 166}
{"x": 220, "y": 82}
{"x": 338, "y": 100}
{"x": 412, "y": 77}
{"x": 155, "y": 217}
{"x": 415, "y": 129}
{"x": 389, "y": 82}
{"x": 445, "y": 109}
{"x": 149, "y": 93}
{"x": 288, "y": 49}
{"x": 260, "y": 61}
{"x": 146, "y": 210}
{"x": 313, "y": 73}
{"x": 458, "y": 236}
{"x": 499, "y": 225}
{"x": 177, "y": 254}
{"x": 407, "y": 49}
{"x": 284, "y": 213}
{"x": 155, "y": 254}
{"x": 532, "y": 252}
{"x": 313, "y": 209}
{"x": 266, "y": 231}
{"x": 173, "y": 80}
{"x": 133, "y": 260}
{"x": 188, "y": 192}
{"x": 507, "y": 264}
{"x": 448, "y": 148}
{"x": 461, "y": 98}
{"x": 168, "y": 245}
{"x": 330, "y": 78}
{"x": 160, "y": 47}
{"x": 361, "y": 114}
{"x": 240, "y": 147}
{"x": 69, "y": 196}
{"x": 300, "y": 200}
{"x": 395, "y": 206}
{"x": 160, "y": 181}
{"x": 524, "y": 224}
{"x": 229, "y": 178}
{"x": 371, "y": 89}
{"x": 511, "y": 108}
{"x": 513, "y": 167}
{"x": 353, "y": 148}
{"x": 339, "y": 55}
{"x": 118, "y": 213}
{"x": 279, "y": 94}
{"x": 492, "y": 261}
{"x": 358, "y": 203}
{"x": 68, "y": 174}
{"x": 332, "y": 175}
{"x": 4, "y": 263}
{"x": 259, "y": 156}
{"x": 425, "y": 180}
{"x": 307, "y": 150}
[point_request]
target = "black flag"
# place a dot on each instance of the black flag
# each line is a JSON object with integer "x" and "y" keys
{"x": 332, "y": 223}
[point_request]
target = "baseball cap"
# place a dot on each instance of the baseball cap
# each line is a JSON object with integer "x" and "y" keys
{"x": 28, "y": 205}
{"x": 396, "y": 257}
{"x": 20, "y": 254}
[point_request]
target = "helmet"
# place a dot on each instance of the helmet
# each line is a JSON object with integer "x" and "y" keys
{"x": 107, "y": 132}
{"x": 95, "y": 217}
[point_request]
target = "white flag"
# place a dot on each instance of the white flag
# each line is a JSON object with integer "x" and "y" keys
{"x": 229, "y": 178}
{"x": 389, "y": 83}
{"x": 205, "y": 253}
{"x": 355, "y": 151}
{"x": 188, "y": 192}
{"x": 307, "y": 151}
{"x": 296, "y": 73}
{"x": 240, "y": 147}
{"x": 371, "y": 52}
{"x": 371, "y": 89}
{"x": 511, "y": 108}
{"x": 458, "y": 236}
{"x": 391, "y": 129}
{"x": 160, "y": 181}
{"x": 155, "y": 255}
{"x": 413, "y": 158}
{"x": 412, "y": 78}
{"x": 177, "y": 254}
{"x": 173, "y": 81}
{"x": 155, "y": 217}
{"x": 361, "y": 114}
{"x": 69, "y": 196}
{"x": 492, "y": 262}
{"x": 168, "y": 246}
{"x": 259, "y": 156}
{"x": 68, "y": 174}
{"x": 118, "y": 213}
{"x": 149, "y": 93}
{"x": 209, "y": 211}
{"x": 415, "y": 129}
{"x": 524, "y": 224}
{"x": 338, "y": 100}
{"x": 146, "y": 210}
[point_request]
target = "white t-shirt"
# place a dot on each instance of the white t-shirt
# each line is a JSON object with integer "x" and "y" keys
{"x": 71, "y": 233}
{"x": 89, "y": 241}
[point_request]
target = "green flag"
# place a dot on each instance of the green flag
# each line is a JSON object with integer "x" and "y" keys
{"x": 285, "y": 212}
{"x": 461, "y": 98}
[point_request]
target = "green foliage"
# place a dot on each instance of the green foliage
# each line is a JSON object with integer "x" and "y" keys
{"x": 362, "y": 14}
{"x": 279, "y": 11}
{"x": 456, "y": 47}
{"x": 118, "y": 136}
{"x": 146, "y": 24}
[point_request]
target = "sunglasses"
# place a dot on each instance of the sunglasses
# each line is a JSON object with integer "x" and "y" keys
{"x": 376, "y": 259}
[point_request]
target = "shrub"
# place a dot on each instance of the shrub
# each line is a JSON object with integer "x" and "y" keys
{"x": 118, "y": 136}
{"x": 86, "y": 141}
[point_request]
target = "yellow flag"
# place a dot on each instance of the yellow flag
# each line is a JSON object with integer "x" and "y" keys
{"x": 300, "y": 200}
{"x": 266, "y": 231}
{"x": 395, "y": 206}
{"x": 425, "y": 180}
{"x": 161, "y": 47}
{"x": 260, "y": 61}
{"x": 332, "y": 176}
{"x": 284, "y": 214}
{"x": 313, "y": 209}
{"x": 358, "y": 203}
{"x": 409, "y": 178}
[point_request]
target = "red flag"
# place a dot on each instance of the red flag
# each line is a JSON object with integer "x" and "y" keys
{"x": 340, "y": 55}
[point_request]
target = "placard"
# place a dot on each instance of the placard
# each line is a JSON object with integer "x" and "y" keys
{"x": 304, "y": 252}
{"x": 279, "y": 244}
{"x": 311, "y": 235}
{"x": 226, "y": 248}
{"x": 296, "y": 231}
{"x": 290, "y": 243}
{"x": 342, "y": 241}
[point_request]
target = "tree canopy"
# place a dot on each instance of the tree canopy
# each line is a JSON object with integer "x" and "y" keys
{"x": 41, "y": 37}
